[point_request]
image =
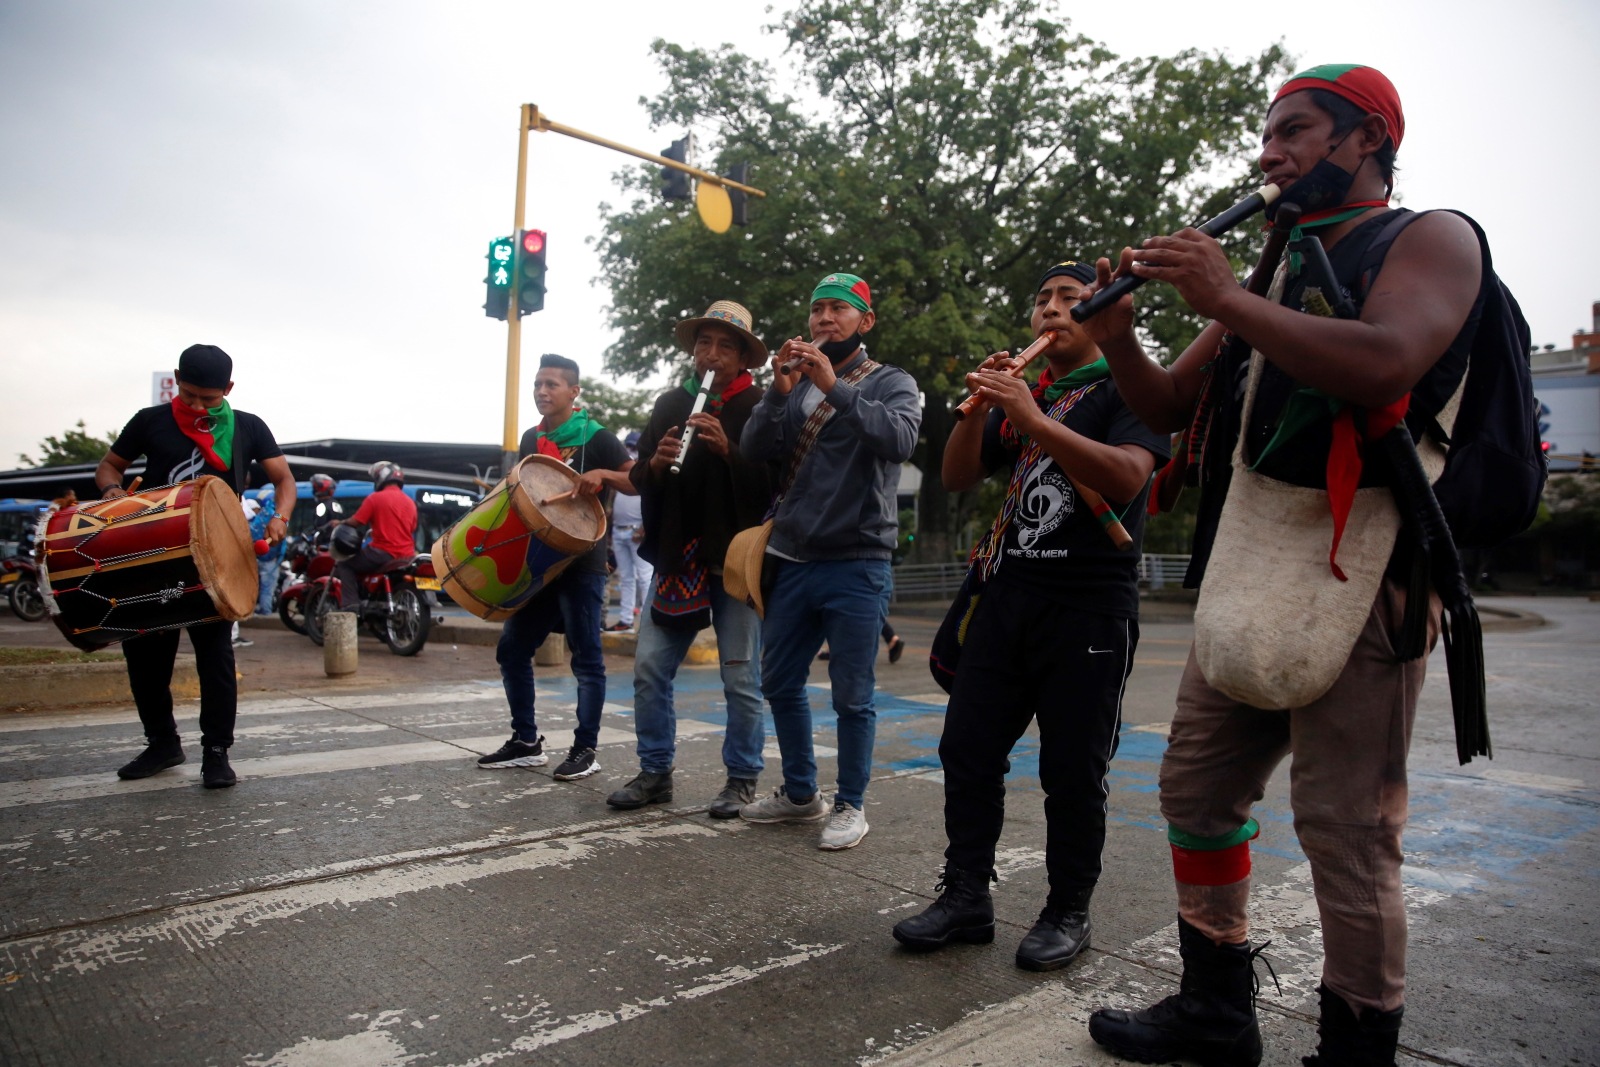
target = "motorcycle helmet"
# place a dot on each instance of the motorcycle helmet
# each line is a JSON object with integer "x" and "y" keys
{"x": 322, "y": 486}
{"x": 383, "y": 472}
{"x": 344, "y": 542}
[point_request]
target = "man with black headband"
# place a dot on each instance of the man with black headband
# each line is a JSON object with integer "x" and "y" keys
{"x": 1052, "y": 628}
{"x": 838, "y": 425}
{"x": 199, "y": 433}
{"x": 575, "y": 602}
{"x": 1330, "y": 141}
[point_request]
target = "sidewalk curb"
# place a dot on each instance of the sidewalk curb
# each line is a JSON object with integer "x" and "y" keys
{"x": 58, "y": 685}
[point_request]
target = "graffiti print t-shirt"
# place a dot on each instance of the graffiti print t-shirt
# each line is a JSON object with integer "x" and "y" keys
{"x": 1055, "y": 546}
{"x": 170, "y": 456}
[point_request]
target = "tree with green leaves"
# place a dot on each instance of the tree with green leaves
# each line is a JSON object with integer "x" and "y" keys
{"x": 955, "y": 149}
{"x": 617, "y": 408}
{"x": 74, "y": 446}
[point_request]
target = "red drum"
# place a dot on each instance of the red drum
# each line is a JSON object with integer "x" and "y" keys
{"x": 158, "y": 559}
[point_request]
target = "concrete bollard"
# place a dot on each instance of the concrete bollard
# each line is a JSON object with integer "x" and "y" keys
{"x": 553, "y": 653}
{"x": 339, "y": 643}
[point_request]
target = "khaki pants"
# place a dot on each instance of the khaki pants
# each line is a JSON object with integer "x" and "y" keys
{"x": 1347, "y": 786}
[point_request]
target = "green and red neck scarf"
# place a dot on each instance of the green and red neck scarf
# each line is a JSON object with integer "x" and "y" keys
{"x": 571, "y": 435}
{"x": 1049, "y": 389}
{"x": 715, "y": 401}
{"x": 211, "y": 430}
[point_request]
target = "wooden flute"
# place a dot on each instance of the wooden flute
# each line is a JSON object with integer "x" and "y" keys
{"x": 1025, "y": 357}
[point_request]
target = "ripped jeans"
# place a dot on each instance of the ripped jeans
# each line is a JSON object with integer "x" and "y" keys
{"x": 661, "y": 652}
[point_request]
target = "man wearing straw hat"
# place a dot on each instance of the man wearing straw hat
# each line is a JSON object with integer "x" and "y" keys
{"x": 839, "y": 425}
{"x": 690, "y": 516}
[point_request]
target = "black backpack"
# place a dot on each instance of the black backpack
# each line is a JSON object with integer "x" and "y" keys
{"x": 1495, "y": 470}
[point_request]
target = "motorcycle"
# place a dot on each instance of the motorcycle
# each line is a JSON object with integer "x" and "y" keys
{"x": 392, "y": 605}
{"x": 307, "y": 559}
{"x": 21, "y": 581}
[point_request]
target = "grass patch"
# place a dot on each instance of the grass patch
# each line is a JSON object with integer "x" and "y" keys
{"x": 30, "y": 657}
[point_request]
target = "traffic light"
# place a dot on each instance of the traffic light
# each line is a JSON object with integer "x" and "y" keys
{"x": 530, "y": 293}
{"x": 675, "y": 183}
{"x": 740, "y": 173}
{"x": 498, "y": 283}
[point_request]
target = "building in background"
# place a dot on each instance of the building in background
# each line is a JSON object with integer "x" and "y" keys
{"x": 1566, "y": 383}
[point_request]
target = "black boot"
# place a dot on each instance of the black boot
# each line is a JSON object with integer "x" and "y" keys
{"x": 1347, "y": 1041}
{"x": 214, "y": 770}
{"x": 1060, "y": 934}
{"x": 963, "y": 912}
{"x": 647, "y": 788}
{"x": 157, "y": 756}
{"x": 1210, "y": 1020}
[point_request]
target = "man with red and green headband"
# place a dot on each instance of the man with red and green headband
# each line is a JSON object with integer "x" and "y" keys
{"x": 199, "y": 433}
{"x": 1329, "y": 144}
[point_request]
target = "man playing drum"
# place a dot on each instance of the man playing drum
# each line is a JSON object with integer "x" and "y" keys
{"x": 199, "y": 433}
{"x": 575, "y": 601}
{"x": 690, "y": 516}
{"x": 839, "y": 425}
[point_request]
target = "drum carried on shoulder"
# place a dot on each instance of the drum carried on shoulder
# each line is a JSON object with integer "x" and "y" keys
{"x": 159, "y": 559}
{"x": 518, "y": 539}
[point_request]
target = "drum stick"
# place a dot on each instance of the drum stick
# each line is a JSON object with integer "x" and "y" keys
{"x": 568, "y": 495}
{"x": 135, "y": 486}
{"x": 1027, "y": 356}
{"x": 699, "y": 406}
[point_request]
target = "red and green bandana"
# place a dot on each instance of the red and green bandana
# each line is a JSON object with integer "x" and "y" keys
{"x": 211, "y": 430}
{"x": 714, "y": 401}
{"x": 846, "y": 287}
{"x": 1365, "y": 87}
{"x": 567, "y": 438}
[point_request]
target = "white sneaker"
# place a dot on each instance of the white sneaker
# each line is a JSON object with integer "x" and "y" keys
{"x": 846, "y": 827}
{"x": 779, "y": 808}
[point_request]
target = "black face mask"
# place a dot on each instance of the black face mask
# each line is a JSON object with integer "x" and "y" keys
{"x": 1323, "y": 186}
{"x": 837, "y": 350}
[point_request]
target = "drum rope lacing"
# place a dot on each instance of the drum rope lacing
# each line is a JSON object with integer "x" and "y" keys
{"x": 474, "y": 553}
{"x": 100, "y": 564}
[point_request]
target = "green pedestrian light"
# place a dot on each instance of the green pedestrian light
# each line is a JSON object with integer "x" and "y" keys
{"x": 501, "y": 256}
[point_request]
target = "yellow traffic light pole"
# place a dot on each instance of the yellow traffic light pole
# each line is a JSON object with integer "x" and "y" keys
{"x": 533, "y": 120}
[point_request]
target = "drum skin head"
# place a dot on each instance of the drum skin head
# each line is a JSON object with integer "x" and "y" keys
{"x": 540, "y": 477}
{"x": 223, "y": 552}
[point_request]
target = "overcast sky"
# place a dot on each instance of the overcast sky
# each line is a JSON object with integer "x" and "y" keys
{"x": 312, "y": 185}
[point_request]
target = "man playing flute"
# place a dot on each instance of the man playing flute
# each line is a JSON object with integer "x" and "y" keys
{"x": 1053, "y": 631}
{"x": 1333, "y": 129}
{"x": 839, "y": 425}
{"x": 689, "y": 518}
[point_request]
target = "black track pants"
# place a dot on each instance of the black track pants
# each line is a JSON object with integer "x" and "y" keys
{"x": 150, "y": 659}
{"x": 1029, "y": 658}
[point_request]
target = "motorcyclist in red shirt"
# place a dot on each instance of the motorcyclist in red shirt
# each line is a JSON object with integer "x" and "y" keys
{"x": 391, "y": 517}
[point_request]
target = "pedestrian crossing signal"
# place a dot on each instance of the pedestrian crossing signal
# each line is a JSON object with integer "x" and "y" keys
{"x": 501, "y": 257}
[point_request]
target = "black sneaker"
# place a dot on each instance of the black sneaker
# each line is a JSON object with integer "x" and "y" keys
{"x": 155, "y": 758}
{"x": 516, "y": 753}
{"x": 580, "y": 763}
{"x": 214, "y": 770}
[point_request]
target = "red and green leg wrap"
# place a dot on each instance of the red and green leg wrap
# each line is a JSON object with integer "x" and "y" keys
{"x": 1213, "y": 876}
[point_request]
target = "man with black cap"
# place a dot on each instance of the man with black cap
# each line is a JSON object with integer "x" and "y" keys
{"x": 575, "y": 602}
{"x": 1051, "y": 630}
{"x": 199, "y": 433}
{"x": 838, "y": 425}
{"x": 690, "y": 517}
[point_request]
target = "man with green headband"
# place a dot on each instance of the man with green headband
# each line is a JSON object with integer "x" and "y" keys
{"x": 1298, "y": 409}
{"x": 1050, "y": 629}
{"x": 199, "y": 433}
{"x": 838, "y": 426}
{"x": 575, "y": 601}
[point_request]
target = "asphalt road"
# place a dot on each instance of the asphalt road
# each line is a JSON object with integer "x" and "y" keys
{"x": 366, "y": 896}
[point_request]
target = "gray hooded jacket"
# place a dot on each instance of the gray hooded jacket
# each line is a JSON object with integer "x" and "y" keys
{"x": 842, "y": 502}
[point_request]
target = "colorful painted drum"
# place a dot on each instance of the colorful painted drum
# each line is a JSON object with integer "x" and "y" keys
{"x": 504, "y": 551}
{"x": 159, "y": 559}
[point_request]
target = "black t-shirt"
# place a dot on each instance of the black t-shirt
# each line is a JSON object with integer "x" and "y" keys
{"x": 170, "y": 456}
{"x": 1054, "y": 545}
{"x": 602, "y": 452}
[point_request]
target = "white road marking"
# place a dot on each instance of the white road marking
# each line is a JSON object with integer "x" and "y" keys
{"x": 1162, "y": 728}
{"x": 941, "y": 699}
{"x": 1532, "y": 781}
{"x": 372, "y": 1047}
{"x": 197, "y": 926}
{"x": 772, "y": 751}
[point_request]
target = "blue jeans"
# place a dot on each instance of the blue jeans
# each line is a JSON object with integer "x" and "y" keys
{"x": 660, "y": 653}
{"x": 576, "y": 601}
{"x": 267, "y": 568}
{"x": 845, "y": 603}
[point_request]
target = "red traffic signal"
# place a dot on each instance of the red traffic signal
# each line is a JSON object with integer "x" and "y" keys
{"x": 533, "y": 242}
